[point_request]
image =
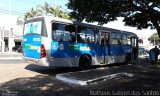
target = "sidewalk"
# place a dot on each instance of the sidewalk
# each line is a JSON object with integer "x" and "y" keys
{"x": 10, "y": 55}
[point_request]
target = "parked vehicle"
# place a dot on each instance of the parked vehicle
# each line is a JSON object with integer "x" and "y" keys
{"x": 17, "y": 48}
{"x": 52, "y": 41}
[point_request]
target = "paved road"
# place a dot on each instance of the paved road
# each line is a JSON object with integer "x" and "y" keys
{"x": 32, "y": 80}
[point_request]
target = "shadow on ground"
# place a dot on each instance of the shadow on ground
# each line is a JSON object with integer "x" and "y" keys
{"x": 58, "y": 70}
{"x": 50, "y": 70}
{"x": 144, "y": 80}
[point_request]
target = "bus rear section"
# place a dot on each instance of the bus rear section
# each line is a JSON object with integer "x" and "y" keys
{"x": 33, "y": 49}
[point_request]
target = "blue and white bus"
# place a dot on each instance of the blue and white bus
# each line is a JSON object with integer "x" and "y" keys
{"x": 52, "y": 41}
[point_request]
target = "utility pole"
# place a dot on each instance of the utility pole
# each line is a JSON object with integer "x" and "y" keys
{"x": 10, "y": 30}
{"x": 10, "y": 40}
{"x": 3, "y": 43}
{"x": 0, "y": 39}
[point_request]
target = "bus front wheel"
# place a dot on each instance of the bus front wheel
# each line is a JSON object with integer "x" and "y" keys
{"x": 85, "y": 62}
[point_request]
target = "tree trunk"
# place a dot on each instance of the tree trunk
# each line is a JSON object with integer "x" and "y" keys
{"x": 158, "y": 30}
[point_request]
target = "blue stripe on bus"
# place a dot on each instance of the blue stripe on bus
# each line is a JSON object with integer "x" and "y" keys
{"x": 69, "y": 49}
{"x": 117, "y": 50}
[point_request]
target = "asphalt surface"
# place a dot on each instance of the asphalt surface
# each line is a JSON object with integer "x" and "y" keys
{"x": 32, "y": 80}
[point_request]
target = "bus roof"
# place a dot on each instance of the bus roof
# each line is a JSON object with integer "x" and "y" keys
{"x": 56, "y": 19}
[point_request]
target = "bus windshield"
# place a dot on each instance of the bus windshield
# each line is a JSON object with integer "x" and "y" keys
{"x": 33, "y": 27}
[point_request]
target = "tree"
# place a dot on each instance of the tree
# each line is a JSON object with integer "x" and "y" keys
{"x": 65, "y": 15}
{"x": 58, "y": 12}
{"x": 31, "y": 13}
{"x": 137, "y": 13}
{"x": 154, "y": 39}
{"x": 44, "y": 10}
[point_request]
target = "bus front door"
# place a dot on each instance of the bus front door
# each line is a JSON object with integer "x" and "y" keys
{"x": 134, "y": 43}
{"x": 104, "y": 45}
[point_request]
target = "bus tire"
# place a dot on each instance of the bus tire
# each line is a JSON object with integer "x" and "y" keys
{"x": 85, "y": 62}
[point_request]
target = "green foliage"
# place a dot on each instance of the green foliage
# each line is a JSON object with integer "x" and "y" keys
{"x": 46, "y": 9}
{"x": 33, "y": 12}
{"x": 154, "y": 38}
{"x": 137, "y": 13}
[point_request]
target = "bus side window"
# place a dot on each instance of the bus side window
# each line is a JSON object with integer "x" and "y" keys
{"x": 54, "y": 36}
{"x": 62, "y": 32}
{"x": 90, "y": 35}
{"x": 124, "y": 39}
{"x": 79, "y": 39}
{"x": 85, "y": 35}
{"x": 81, "y": 34}
{"x": 97, "y": 37}
{"x": 54, "y": 28}
{"x": 119, "y": 38}
{"x": 128, "y": 39}
{"x": 72, "y": 32}
{"x": 116, "y": 38}
{"x": 58, "y": 32}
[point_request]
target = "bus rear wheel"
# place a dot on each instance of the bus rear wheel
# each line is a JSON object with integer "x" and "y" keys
{"x": 85, "y": 62}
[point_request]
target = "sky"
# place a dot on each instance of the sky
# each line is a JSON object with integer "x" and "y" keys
{"x": 19, "y": 7}
{"x": 10, "y": 10}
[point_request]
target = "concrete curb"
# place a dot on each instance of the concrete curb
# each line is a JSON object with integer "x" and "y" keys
{"x": 82, "y": 82}
{"x": 10, "y": 58}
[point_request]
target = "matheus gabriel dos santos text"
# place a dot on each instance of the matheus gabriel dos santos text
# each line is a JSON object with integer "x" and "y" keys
{"x": 125, "y": 93}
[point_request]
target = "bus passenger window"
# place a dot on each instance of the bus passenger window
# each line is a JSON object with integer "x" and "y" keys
{"x": 90, "y": 35}
{"x": 124, "y": 39}
{"x": 62, "y": 32}
{"x": 88, "y": 40}
{"x": 85, "y": 35}
{"x": 71, "y": 29}
{"x": 97, "y": 37}
{"x": 58, "y": 32}
{"x": 104, "y": 38}
{"x": 81, "y": 34}
{"x": 54, "y": 28}
{"x": 61, "y": 38}
{"x": 129, "y": 39}
{"x": 54, "y": 36}
{"x": 116, "y": 39}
